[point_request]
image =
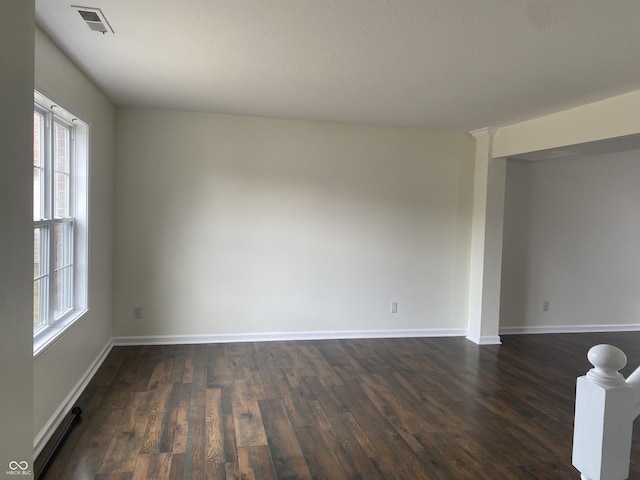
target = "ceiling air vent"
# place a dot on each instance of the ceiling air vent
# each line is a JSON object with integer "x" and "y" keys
{"x": 94, "y": 18}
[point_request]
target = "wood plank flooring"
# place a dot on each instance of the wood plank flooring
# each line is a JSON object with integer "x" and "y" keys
{"x": 421, "y": 408}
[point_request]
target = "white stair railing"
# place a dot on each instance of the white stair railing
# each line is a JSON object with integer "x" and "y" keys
{"x": 606, "y": 406}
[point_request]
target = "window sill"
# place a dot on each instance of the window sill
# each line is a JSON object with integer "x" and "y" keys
{"x": 47, "y": 339}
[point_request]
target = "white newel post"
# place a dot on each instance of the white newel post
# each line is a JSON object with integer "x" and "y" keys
{"x": 606, "y": 406}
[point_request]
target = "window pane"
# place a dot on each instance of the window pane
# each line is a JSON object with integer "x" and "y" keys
{"x": 63, "y": 288}
{"x": 40, "y": 289}
{"x": 37, "y": 254}
{"x": 38, "y": 164}
{"x": 38, "y": 121}
{"x": 41, "y": 279}
{"x": 63, "y": 291}
{"x": 37, "y": 318}
{"x": 61, "y": 195}
{"x": 38, "y": 193}
{"x": 63, "y": 245}
{"x": 62, "y": 155}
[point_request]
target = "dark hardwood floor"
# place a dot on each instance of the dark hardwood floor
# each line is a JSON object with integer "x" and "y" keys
{"x": 421, "y": 408}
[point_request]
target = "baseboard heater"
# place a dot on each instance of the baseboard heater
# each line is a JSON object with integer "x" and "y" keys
{"x": 62, "y": 433}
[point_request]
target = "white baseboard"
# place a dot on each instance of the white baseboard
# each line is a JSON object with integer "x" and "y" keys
{"x": 56, "y": 419}
{"x": 484, "y": 340}
{"x": 347, "y": 334}
{"x": 283, "y": 336}
{"x": 529, "y": 330}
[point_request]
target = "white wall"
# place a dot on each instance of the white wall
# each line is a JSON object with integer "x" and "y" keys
{"x": 16, "y": 233}
{"x": 230, "y": 225}
{"x": 571, "y": 236}
{"x": 61, "y": 367}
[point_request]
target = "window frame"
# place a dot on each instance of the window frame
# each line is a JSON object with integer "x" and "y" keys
{"x": 73, "y": 221}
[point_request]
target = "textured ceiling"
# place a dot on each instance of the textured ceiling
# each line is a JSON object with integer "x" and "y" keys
{"x": 452, "y": 64}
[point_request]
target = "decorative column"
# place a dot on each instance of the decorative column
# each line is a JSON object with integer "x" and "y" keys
{"x": 604, "y": 417}
{"x": 486, "y": 241}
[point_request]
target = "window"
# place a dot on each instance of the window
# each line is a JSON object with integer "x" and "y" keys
{"x": 59, "y": 220}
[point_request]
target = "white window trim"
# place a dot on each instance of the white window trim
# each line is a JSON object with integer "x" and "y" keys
{"x": 80, "y": 184}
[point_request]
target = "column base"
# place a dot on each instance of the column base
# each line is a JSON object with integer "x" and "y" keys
{"x": 484, "y": 340}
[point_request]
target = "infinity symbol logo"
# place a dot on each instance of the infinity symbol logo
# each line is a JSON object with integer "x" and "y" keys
{"x": 13, "y": 465}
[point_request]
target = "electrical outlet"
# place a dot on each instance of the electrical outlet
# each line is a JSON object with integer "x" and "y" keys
{"x": 545, "y": 306}
{"x": 394, "y": 307}
{"x": 137, "y": 313}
